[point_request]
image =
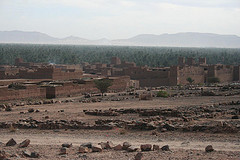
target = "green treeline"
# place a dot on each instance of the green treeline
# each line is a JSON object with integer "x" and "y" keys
{"x": 151, "y": 56}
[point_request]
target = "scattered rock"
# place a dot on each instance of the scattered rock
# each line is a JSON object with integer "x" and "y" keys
{"x": 30, "y": 110}
{"x": 8, "y": 109}
{"x": 35, "y": 155}
{"x": 27, "y": 153}
{"x": 126, "y": 145}
{"x": 3, "y": 155}
{"x": 165, "y": 148}
{"x": 96, "y": 149}
{"x": 209, "y": 148}
{"x": 146, "y": 147}
{"x": 88, "y": 145}
{"x": 131, "y": 149}
{"x": 110, "y": 145}
{"x": 156, "y": 147}
{"x": 67, "y": 145}
{"x": 118, "y": 147}
{"x": 24, "y": 144}
{"x": 11, "y": 142}
{"x": 138, "y": 156}
{"x": 84, "y": 149}
{"x": 63, "y": 150}
{"x": 235, "y": 117}
{"x": 103, "y": 145}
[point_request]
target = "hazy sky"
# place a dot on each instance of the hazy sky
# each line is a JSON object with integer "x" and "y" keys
{"x": 94, "y": 19}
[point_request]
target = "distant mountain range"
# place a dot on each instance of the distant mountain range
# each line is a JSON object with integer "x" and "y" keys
{"x": 188, "y": 39}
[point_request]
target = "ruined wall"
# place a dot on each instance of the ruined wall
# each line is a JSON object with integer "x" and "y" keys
{"x": 119, "y": 84}
{"x": 224, "y": 73}
{"x": 31, "y": 91}
{"x": 8, "y": 72}
{"x": 70, "y": 89}
{"x": 174, "y": 76}
{"x": 194, "y": 72}
{"x": 50, "y": 73}
{"x": 148, "y": 78}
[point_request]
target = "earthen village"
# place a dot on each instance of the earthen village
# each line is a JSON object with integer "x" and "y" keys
{"x": 57, "y": 111}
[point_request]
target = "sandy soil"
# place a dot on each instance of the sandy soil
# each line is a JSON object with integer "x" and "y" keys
{"x": 183, "y": 145}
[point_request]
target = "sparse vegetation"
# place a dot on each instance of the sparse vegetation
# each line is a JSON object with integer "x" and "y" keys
{"x": 190, "y": 80}
{"x": 103, "y": 85}
{"x": 16, "y": 86}
{"x": 163, "y": 94}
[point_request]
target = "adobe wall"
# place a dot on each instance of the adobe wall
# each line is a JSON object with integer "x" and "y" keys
{"x": 194, "y": 72}
{"x": 30, "y": 92}
{"x": 70, "y": 89}
{"x": 119, "y": 84}
{"x": 224, "y": 73}
{"x": 147, "y": 78}
{"x": 50, "y": 73}
{"x": 174, "y": 74}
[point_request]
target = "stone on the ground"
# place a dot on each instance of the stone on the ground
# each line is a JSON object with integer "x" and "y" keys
{"x": 63, "y": 150}
{"x": 84, "y": 149}
{"x": 27, "y": 153}
{"x": 89, "y": 145}
{"x": 96, "y": 148}
{"x": 126, "y": 145}
{"x": 165, "y": 148}
{"x": 209, "y": 148}
{"x": 131, "y": 149}
{"x": 156, "y": 147}
{"x": 3, "y": 155}
{"x": 118, "y": 147}
{"x": 8, "y": 109}
{"x": 11, "y": 142}
{"x": 146, "y": 147}
{"x": 235, "y": 117}
{"x": 138, "y": 156}
{"x": 67, "y": 145}
{"x": 35, "y": 155}
{"x": 110, "y": 145}
{"x": 24, "y": 144}
{"x": 103, "y": 145}
{"x": 30, "y": 110}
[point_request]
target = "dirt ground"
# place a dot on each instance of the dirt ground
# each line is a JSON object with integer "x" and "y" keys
{"x": 183, "y": 145}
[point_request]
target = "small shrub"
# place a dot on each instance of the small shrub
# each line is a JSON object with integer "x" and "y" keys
{"x": 16, "y": 86}
{"x": 190, "y": 80}
{"x": 162, "y": 94}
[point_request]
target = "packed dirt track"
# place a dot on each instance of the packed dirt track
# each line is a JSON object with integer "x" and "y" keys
{"x": 183, "y": 126}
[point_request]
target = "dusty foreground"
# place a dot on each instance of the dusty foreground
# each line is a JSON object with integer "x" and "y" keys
{"x": 182, "y": 145}
{"x": 186, "y": 124}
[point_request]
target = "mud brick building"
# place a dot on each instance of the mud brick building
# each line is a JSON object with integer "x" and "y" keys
{"x": 30, "y": 91}
{"x": 199, "y": 71}
{"x": 50, "y": 72}
{"x": 8, "y": 72}
{"x": 87, "y": 86}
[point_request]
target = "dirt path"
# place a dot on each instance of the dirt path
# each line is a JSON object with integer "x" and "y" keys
{"x": 77, "y": 138}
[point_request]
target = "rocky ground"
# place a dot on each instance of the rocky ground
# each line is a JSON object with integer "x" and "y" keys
{"x": 192, "y": 123}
